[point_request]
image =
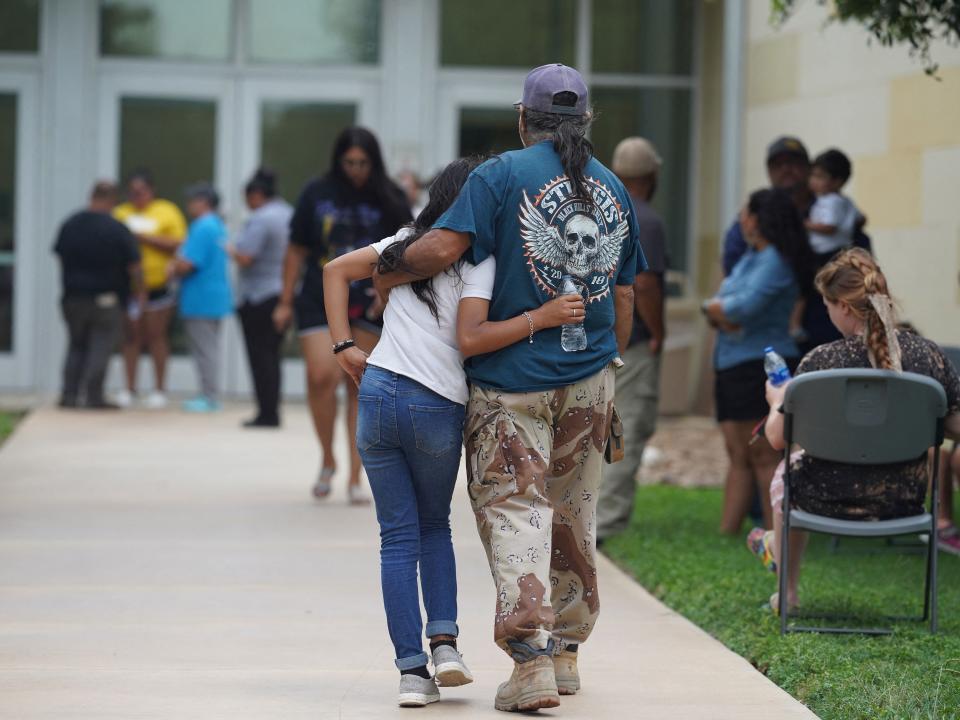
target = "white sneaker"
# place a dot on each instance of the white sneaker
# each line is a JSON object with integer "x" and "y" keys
{"x": 155, "y": 401}
{"x": 449, "y": 670}
{"x": 123, "y": 399}
{"x": 416, "y": 691}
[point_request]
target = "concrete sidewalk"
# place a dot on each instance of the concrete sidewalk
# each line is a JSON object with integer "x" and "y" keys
{"x": 159, "y": 565}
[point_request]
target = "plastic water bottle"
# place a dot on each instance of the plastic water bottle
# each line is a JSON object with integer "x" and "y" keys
{"x": 573, "y": 337}
{"x": 776, "y": 367}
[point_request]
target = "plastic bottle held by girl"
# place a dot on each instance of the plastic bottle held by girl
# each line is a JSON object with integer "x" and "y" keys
{"x": 777, "y": 371}
{"x": 573, "y": 337}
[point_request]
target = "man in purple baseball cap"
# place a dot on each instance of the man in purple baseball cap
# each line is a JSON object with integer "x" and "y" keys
{"x": 544, "y": 83}
{"x": 557, "y": 222}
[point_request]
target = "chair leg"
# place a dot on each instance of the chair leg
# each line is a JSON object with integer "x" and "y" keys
{"x": 784, "y": 564}
{"x": 934, "y": 544}
{"x": 932, "y": 580}
{"x": 926, "y": 586}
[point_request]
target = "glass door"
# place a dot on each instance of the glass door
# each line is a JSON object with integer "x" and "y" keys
{"x": 291, "y": 127}
{"x": 478, "y": 117}
{"x": 18, "y": 148}
{"x": 181, "y": 131}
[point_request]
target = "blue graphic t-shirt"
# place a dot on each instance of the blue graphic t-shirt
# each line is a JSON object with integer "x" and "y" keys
{"x": 205, "y": 293}
{"x": 519, "y": 207}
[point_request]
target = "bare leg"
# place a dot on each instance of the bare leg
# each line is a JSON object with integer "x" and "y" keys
{"x": 157, "y": 326}
{"x": 132, "y": 344}
{"x": 366, "y": 341}
{"x": 738, "y": 491}
{"x": 323, "y": 376}
{"x": 798, "y": 544}
{"x": 764, "y": 460}
{"x": 949, "y": 465}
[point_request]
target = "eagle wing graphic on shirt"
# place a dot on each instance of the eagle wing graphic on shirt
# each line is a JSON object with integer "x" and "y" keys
{"x": 582, "y": 247}
{"x": 543, "y": 241}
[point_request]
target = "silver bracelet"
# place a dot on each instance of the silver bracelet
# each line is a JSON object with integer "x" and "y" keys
{"x": 530, "y": 323}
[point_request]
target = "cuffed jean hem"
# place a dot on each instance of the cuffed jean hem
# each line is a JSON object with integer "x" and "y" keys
{"x": 409, "y": 663}
{"x": 442, "y": 627}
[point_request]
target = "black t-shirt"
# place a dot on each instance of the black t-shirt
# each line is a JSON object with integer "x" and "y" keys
{"x": 95, "y": 254}
{"x": 654, "y": 243}
{"x": 331, "y": 220}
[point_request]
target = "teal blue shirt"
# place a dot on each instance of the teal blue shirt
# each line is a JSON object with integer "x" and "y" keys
{"x": 205, "y": 293}
{"x": 519, "y": 207}
{"x": 758, "y": 295}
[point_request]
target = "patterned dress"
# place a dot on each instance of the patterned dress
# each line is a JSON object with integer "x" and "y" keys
{"x": 870, "y": 492}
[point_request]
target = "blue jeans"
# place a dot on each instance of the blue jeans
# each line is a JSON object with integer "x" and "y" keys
{"x": 410, "y": 438}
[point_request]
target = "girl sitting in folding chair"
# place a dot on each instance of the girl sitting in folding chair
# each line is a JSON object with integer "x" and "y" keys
{"x": 859, "y": 303}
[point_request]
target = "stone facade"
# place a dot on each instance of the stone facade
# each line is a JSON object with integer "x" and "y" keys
{"x": 833, "y": 88}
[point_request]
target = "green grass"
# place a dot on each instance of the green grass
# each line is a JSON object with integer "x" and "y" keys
{"x": 673, "y": 548}
{"x": 8, "y": 421}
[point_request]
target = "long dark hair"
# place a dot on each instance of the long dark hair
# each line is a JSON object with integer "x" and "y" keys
{"x": 388, "y": 193}
{"x": 568, "y": 134}
{"x": 443, "y": 191}
{"x": 780, "y": 223}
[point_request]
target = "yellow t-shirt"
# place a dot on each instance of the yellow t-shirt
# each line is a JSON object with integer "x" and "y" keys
{"x": 161, "y": 218}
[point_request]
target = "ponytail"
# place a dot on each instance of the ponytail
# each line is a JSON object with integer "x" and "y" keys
{"x": 854, "y": 278}
{"x": 568, "y": 135}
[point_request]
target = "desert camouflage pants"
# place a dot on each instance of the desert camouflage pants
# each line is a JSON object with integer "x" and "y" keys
{"x": 534, "y": 463}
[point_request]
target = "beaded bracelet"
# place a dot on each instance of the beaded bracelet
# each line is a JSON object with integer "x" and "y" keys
{"x": 530, "y": 323}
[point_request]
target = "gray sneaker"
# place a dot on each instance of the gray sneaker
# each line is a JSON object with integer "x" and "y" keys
{"x": 449, "y": 669}
{"x": 416, "y": 691}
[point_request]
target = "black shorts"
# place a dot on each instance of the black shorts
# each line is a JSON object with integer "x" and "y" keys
{"x": 308, "y": 308}
{"x": 161, "y": 298}
{"x": 312, "y": 315}
{"x": 740, "y": 391}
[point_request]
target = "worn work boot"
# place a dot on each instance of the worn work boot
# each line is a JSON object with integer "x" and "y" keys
{"x": 532, "y": 686}
{"x": 565, "y": 668}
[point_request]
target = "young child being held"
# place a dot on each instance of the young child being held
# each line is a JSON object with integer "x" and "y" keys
{"x": 832, "y": 221}
{"x": 833, "y": 217}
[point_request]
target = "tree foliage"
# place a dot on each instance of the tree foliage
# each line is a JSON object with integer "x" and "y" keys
{"x": 914, "y": 23}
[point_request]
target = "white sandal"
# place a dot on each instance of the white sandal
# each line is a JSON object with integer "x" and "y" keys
{"x": 357, "y": 496}
{"x": 321, "y": 488}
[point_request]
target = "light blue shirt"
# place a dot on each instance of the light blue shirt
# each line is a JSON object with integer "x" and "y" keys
{"x": 205, "y": 293}
{"x": 758, "y": 295}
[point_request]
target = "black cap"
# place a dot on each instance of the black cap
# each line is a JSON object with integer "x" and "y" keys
{"x": 205, "y": 191}
{"x": 787, "y": 145}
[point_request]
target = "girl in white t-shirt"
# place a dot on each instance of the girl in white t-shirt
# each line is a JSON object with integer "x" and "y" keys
{"x": 413, "y": 393}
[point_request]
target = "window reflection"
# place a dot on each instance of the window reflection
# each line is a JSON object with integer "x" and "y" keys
{"x": 168, "y": 29}
{"x": 315, "y": 31}
{"x": 488, "y": 130}
{"x": 507, "y": 33}
{"x": 661, "y": 115}
{"x": 19, "y": 26}
{"x": 652, "y": 37}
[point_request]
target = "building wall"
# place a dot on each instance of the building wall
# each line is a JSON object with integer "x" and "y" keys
{"x": 831, "y": 87}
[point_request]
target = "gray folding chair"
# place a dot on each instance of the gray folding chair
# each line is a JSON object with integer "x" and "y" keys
{"x": 863, "y": 417}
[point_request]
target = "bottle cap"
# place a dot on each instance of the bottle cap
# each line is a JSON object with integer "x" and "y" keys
{"x": 768, "y": 349}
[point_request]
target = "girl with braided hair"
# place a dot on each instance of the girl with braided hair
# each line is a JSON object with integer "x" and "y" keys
{"x": 860, "y": 306}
